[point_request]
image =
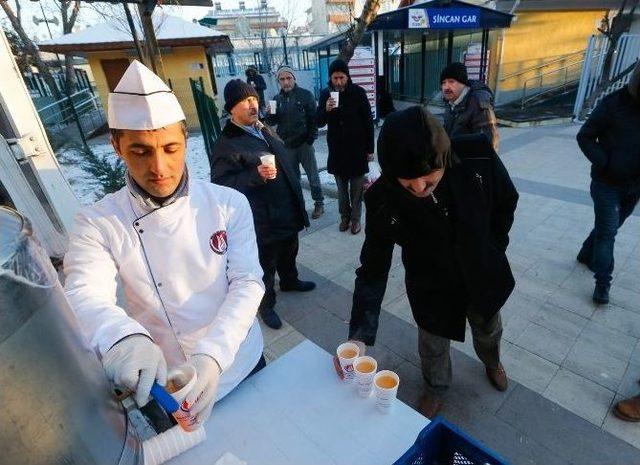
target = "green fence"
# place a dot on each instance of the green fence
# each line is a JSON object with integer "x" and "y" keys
{"x": 207, "y": 115}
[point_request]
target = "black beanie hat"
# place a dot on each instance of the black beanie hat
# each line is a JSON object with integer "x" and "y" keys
{"x": 338, "y": 65}
{"x": 235, "y": 91}
{"x": 412, "y": 143}
{"x": 456, "y": 71}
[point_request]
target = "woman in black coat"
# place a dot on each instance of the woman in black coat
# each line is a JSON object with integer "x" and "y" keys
{"x": 451, "y": 215}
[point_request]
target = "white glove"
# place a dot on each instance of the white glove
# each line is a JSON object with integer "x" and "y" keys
{"x": 203, "y": 394}
{"x": 136, "y": 362}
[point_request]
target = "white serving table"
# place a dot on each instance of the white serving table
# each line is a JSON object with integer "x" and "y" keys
{"x": 296, "y": 411}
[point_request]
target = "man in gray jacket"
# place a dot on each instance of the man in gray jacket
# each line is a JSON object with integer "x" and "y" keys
{"x": 295, "y": 116}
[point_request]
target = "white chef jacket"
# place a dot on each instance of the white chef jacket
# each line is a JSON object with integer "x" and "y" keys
{"x": 190, "y": 273}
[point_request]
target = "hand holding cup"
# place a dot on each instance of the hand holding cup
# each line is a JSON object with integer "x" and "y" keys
{"x": 267, "y": 169}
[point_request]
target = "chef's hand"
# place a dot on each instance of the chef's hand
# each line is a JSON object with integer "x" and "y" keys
{"x": 331, "y": 104}
{"x": 362, "y": 349}
{"x": 135, "y": 362}
{"x": 267, "y": 172}
{"x": 203, "y": 394}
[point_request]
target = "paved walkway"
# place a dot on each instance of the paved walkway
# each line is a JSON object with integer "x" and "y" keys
{"x": 568, "y": 360}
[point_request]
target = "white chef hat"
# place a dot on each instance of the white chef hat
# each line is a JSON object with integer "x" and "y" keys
{"x": 142, "y": 101}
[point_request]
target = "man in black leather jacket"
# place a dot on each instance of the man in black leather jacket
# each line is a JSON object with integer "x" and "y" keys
{"x": 451, "y": 215}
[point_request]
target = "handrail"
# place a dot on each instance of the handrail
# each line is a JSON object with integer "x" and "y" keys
{"x": 524, "y": 100}
{"x": 63, "y": 99}
{"x": 523, "y": 71}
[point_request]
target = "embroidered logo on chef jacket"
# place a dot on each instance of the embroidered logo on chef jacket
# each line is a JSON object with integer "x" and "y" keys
{"x": 218, "y": 242}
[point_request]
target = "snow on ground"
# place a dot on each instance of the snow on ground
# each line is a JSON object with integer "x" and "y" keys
{"x": 88, "y": 189}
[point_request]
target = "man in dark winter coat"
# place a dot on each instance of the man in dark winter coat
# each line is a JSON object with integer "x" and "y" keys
{"x": 610, "y": 139}
{"x": 273, "y": 192}
{"x": 451, "y": 215}
{"x": 295, "y": 116}
{"x": 350, "y": 141}
{"x": 469, "y": 105}
{"x": 257, "y": 82}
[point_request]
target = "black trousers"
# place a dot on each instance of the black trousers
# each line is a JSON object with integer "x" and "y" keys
{"x": 277, "y": 256}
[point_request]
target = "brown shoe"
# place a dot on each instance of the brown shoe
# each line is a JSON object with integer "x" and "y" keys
{"x": 344, "y": 225}
{"x": 497, "y": 377}
{"x": 318, "y": 211}
{"x": 628, "y": 409}
{"x": 429, "y": 405}
{"x": 355, "y": 227}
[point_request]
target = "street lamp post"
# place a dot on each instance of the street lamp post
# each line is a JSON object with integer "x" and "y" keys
{"x": 283, "y": 34}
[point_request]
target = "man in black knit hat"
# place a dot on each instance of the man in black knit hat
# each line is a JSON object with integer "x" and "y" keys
{"x": 350, "y": 141}
{"x": 241, "y": 161}
{"x": 451, "y": 214}
{"x": 469, "y": 105}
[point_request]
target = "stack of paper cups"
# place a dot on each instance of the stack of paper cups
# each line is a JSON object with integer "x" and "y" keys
{"x": 170, "y": 444}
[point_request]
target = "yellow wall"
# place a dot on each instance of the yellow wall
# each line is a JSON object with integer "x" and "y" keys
{"x": 535, "y": 38}
{"x": 178, "y": 67}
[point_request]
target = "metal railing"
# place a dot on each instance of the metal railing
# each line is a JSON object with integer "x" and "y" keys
{"x": 564, "y": 77}
{"x": 86, "y": 106}
{"x": 540, "y": 66}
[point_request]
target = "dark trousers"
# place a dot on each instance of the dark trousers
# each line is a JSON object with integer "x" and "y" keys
{"x": 435, "y": 355}
{"x": 306, "y": 156}
{"x": 277, "y": 256}
{"x": 350, "y": 195}
{"x": 612, "y": 205}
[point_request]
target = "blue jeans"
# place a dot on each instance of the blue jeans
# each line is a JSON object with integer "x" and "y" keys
{"x": 612, "y": 205}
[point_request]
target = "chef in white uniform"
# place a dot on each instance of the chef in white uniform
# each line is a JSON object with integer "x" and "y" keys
{"x": 185, "y": 252}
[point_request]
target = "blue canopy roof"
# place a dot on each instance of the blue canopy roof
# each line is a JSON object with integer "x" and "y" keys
{"x": 442, "y": 15}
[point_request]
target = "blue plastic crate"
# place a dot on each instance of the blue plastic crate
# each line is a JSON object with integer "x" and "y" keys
{"x": 441, "y": 443}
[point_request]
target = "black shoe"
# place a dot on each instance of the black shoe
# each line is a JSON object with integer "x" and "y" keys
{"x": 297, "y": 285}
{"x": 601, "y": 294}
{"x": 582, "y": 258}
{"x": 270, "y": 318}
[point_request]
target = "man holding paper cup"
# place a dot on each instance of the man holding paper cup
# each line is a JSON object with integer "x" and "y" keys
{"x": 451, "y": 214}
{"x": 250, "y": 158}
{"x": 293, "y": 110}
{"x": 345, "y": 109}
{"x": 184, "y": 250}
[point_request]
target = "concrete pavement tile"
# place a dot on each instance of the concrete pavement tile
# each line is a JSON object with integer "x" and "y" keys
{"x": 610, "y": 341}
{"x": 527, "y": 368}
{"x": 324, "y": 329}
{"x": 627, "y": 280}
{"x": 272, "y": 335}
{"x": 630, "y": 385}
{"x": 627, "y": 298}
{"x": 513, "y": 327}
{"x": 400, "y": 337}
{"x": 510, "y": 443}
{"x": 548, "y": 344}
{"x": 282, "y": 345}
{"x": 593, "y": 362}
{"x": 625, "y": 430}
{"x": 536, "y": 288}
{"x": 618, "y": 318}
{"x": 551, "y": 270}
{"x": 632, "y": 265}
{"x": 411, "y": 384}
{"x": 635, "y": 356}
{"x": 395, "y": 285}
{"x": 579, "y": 303}
{"x": 564, "y": 433}
{"x": 580, "y": 396}
{"x": 561, "y": 320}
{"x": 400, "y": 307}
{"x": 387, "y": 359}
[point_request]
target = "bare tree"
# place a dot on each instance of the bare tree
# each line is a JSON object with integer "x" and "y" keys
{"x": 357, "y": 30}
{"x": 15, "y": 18}
{"x": 69, "y": 10}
